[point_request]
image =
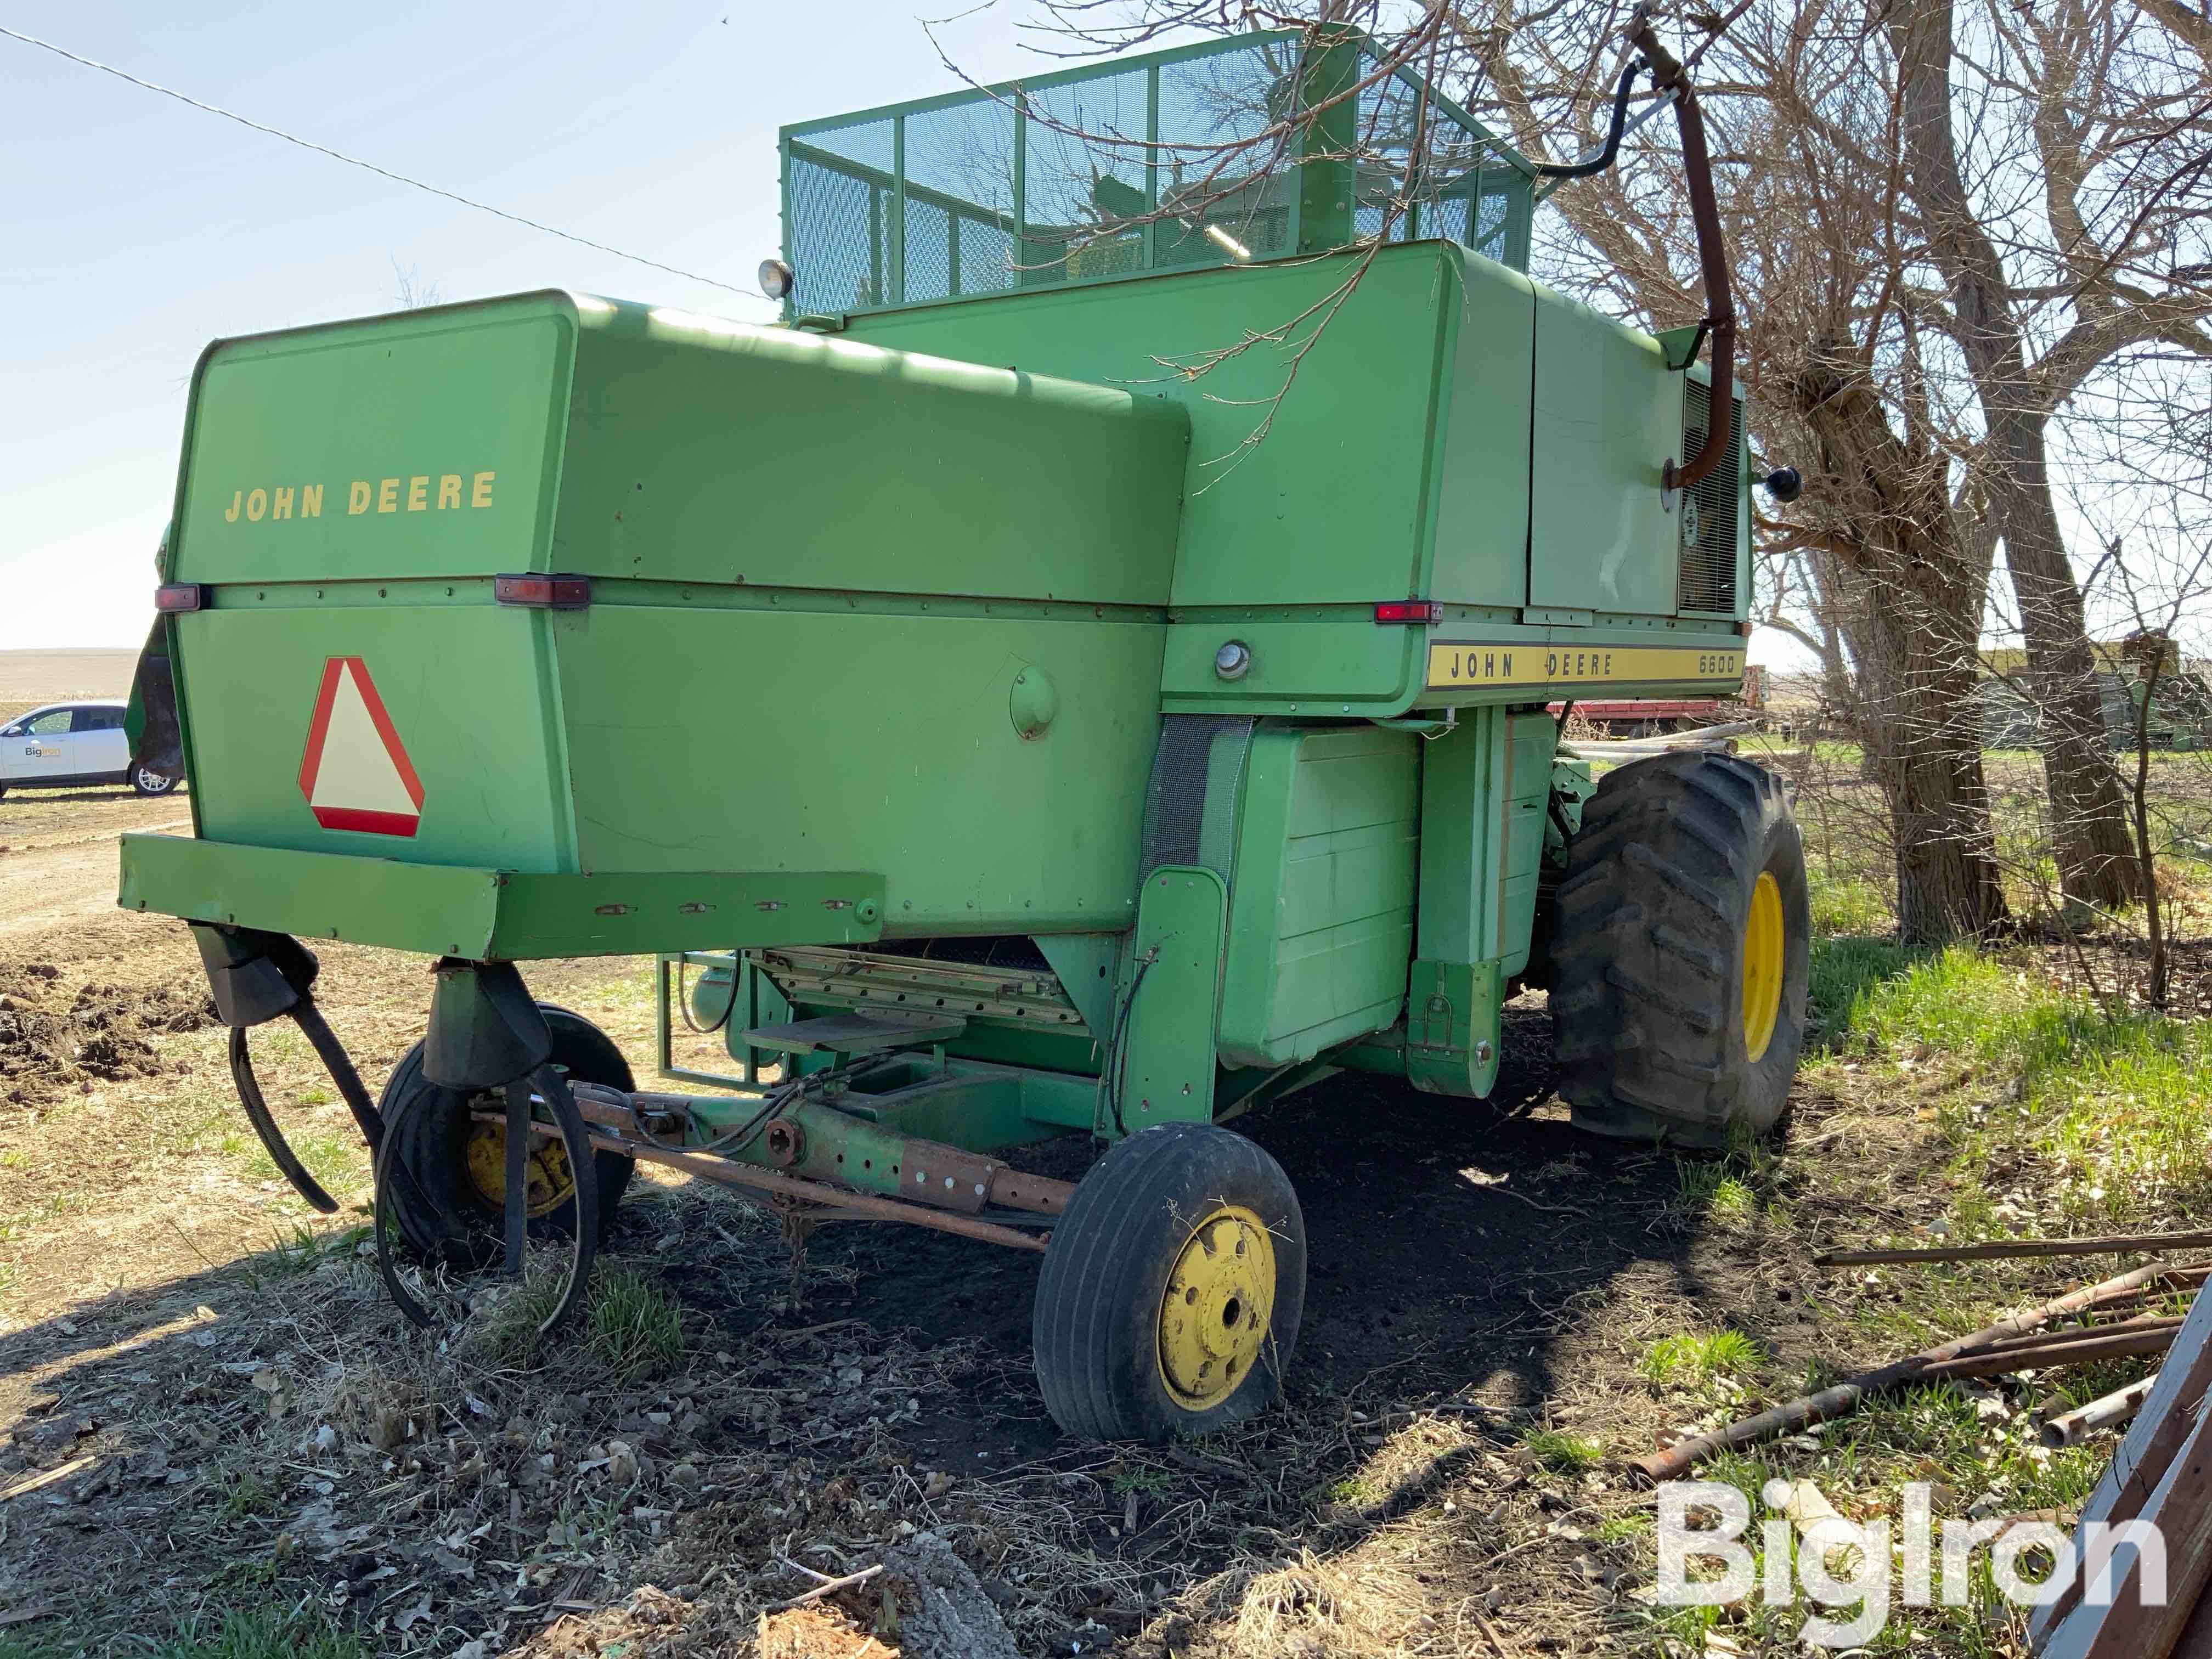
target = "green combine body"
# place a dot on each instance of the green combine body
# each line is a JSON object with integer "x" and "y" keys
{"x": 1010, "y": 740}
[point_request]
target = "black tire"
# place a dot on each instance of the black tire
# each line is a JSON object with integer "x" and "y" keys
{"x": 146, "y": 781}
{"x": 1649, "y": 949}
{"x": 1100, "y": 1331}
{"x": 453, "y": 1221}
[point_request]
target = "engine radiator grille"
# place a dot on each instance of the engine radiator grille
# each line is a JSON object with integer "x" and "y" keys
{"x": 1709, "y": 510}
{"x": 1190, "y": 810}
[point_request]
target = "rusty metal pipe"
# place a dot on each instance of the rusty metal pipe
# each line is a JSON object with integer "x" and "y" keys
{"x": 2112, "y": 1410}
{"x": 732, "y": 1173}
{"x": 1677, "y": 1460}
{"x": 1669, "y": 75}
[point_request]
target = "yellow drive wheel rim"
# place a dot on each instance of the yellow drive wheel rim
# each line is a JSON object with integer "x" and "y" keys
{"x": 1762, "y": 965}
{"x": 1214, "y": 1313}
{"x": 549, "y": 1182}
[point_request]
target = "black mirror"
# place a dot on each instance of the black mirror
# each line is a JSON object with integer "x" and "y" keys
{"x": 1784, "y": 484}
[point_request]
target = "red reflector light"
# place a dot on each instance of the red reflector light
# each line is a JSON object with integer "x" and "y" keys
{"x": 170, "y": 598}
{"x": 1409, "y": 610}
{"x": 547, "y": 593}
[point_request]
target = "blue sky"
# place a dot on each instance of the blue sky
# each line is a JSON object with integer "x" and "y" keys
{"x": 137, "y": 229}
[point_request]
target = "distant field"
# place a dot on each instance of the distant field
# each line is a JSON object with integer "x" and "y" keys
{"x": 29, "y": 677}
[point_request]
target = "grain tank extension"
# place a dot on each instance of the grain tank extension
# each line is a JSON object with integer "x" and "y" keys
{"x": 983, "y": 734}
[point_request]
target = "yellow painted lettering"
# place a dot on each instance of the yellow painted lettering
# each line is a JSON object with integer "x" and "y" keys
{"x": 280, "y": 505}
{"x": 387, "y": 496}
{"x": 311, "y": 501}
{"x": 480, "y": 494}
{"x": 449, "y": 490}
{"x": 357, "y": 496}
{"x": 256, "y": 504}
{"x": 230, "y": 513}
{"x": 418, "y": 492}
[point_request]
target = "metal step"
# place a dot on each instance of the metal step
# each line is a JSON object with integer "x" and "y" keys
{"x": 857, "y": 1034}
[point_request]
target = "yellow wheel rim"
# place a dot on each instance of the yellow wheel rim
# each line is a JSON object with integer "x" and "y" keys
{"x": 1214, "y": 1315}
{"x": 548, "y": 1184}
{"x": 1762, "y": 965}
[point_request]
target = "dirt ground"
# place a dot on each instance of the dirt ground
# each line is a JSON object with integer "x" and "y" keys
{"x": 205, "y": 1397}
{"x": 29, "y": 677}
{"x": 207, "y": 1405}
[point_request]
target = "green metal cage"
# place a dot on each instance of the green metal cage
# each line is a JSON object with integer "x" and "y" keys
{"x": 1176, "y": 159}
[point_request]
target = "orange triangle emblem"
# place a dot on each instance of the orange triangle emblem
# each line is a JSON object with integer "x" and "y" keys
{"x": 356, "y": 773}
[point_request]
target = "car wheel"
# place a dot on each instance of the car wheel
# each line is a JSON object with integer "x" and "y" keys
{"x": 146, "y": 781}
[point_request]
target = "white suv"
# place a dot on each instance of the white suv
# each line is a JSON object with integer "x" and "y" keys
{"x": 73, "y": 743}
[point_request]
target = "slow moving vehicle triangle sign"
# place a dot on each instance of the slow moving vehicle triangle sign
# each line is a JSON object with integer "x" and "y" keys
{"x": 355, "y": 773}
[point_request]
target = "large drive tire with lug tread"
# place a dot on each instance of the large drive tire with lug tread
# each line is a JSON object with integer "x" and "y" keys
{"x": 459, "y": 1164}
{"x": 1678, "y": 953}
{"x": 1170, "y": 1296}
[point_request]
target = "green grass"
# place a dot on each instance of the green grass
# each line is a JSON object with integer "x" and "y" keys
{"x": 1140, "y": 1477}
{"x": 1692, "y": 1358}
{"x": 269, "y": 1633}
{"x": 2115, "y": 1103}
{"x": 336, "y": 1158}
{"x": 1563, "y": 1453}
{"x": 634, "y": 1327}
{"x": 1846, "y": 904}
{"x": 1841, "y": 975}
{"x": 247, "y": 1494}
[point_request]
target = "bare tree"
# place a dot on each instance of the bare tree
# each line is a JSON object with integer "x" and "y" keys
{"x": 409, "y": 289}
{"x": 1948, "y": 216}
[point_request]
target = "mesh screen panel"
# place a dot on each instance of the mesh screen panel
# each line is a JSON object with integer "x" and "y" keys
{"x": 959, "y": 189}
{"x": 1161, "y": 163}
{"x": 1084, "y": 174}
{"x": 1709, "y": 510}
{"x": 839, "y": 238}
{"x": 1220, "y": 203}
{"x": 1190, "y": 807}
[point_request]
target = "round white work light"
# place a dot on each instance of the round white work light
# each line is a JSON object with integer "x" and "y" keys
{"x": 775, "y": 279}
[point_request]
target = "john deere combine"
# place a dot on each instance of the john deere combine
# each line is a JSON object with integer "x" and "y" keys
{"x": 1004, "y": 739}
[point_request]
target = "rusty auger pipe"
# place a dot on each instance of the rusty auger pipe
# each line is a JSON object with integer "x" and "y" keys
{"x": 1669, "y": 75}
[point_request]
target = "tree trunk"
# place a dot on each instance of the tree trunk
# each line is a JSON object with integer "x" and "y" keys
{"x": 2088, "y": 802}
{"x": 2088, "y": 806}
{"x": 1913, "y": 642}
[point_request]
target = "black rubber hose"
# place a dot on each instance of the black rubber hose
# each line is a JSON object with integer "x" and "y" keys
{"x": 552, "y": 1088}
{"x": 1604, "y": 159}
{"x": 388, "y": 1160}
{"x": 576, "y": 1140}
{"x": 272, "y": 1138}
{"x": 340, "y": 1067}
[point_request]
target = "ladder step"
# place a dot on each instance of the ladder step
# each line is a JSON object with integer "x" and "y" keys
{"x": 857, "y": 1034}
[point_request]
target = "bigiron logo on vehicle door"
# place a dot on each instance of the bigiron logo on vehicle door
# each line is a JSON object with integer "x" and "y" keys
{"x": 355, "y": 773}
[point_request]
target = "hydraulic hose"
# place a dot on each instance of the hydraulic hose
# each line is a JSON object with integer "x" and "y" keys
{"x": 1669, "y": 75}
{"x": 1605, "y": 157}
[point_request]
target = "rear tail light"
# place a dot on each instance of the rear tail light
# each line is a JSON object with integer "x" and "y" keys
{"x": 1416, "y": 611}
{"x": 544, "y": 592}
{"x": 171, "y": 597}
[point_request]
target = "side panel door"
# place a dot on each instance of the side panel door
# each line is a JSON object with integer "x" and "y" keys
{"x": 45, "y": 752}
{"x": 101, "y": 748}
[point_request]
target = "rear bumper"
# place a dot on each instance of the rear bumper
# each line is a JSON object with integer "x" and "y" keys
{"x": 494, "y": 914}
